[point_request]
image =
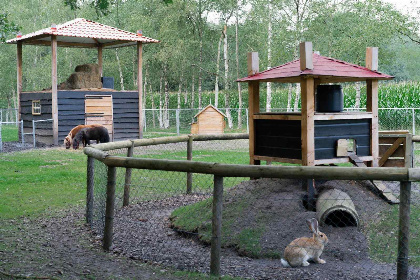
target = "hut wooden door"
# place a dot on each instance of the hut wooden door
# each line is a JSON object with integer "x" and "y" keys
{"x": 99, "y": 110}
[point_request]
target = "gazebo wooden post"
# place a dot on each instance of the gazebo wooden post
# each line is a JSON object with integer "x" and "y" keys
{"x": 140, "y": 85}
{"x": 254, "y": 103}
{"x": 54, "y": 88}
{"x": 307, "y": 86}
{"x": 19, "y": 77}
{"x": 372, "y": 103}
{"x": 100, "y": 59}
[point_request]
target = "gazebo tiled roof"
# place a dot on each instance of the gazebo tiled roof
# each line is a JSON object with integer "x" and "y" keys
{"x": 81, "y": 32}
{"x": 324, "y": 68}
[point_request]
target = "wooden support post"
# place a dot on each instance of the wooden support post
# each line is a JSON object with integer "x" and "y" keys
{"x": 409, "y": 151}
{"x": 372, "y": 58}
{"x": 140, "y": 85}
{"x": 54, "y": 88}
{"x": 216, "y": 226}
{"x": 372, "y": 106}
{"x": 306, "y": 54}
{"x": 100, "y": 60}
{"x": 189, "y": 157}
{"x": 109, "y": 211}
{"x": 19, "y": 77}
{"x": 254, "y": 107}
{"x": 254, "y": 104}
{"x": 307, "y": 132}
{"x": 127, "y": 183}
{"x": 90, "y": 187}
{"x": 307, "y": 121}
{"x": 404, "y": 231}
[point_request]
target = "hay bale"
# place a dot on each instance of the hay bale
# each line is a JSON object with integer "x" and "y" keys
{"x": 85, "y": 76}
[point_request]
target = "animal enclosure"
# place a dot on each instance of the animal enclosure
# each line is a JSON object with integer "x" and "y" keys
{"x": 256, "y": 214}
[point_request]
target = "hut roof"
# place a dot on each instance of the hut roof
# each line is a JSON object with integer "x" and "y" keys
{"x": 83, "y": 33}
{"x": 325, "y": 68}
{"x": 210, "y": 106}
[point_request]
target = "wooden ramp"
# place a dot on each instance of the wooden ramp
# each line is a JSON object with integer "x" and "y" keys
{"x": 382, "y": 189}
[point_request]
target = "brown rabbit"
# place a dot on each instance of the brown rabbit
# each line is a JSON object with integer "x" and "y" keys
{"x": 302, "y": 249}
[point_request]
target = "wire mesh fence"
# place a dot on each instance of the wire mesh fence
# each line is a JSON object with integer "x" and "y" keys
{"x": 166, "y": 223}
{"x": 178, "y": 121}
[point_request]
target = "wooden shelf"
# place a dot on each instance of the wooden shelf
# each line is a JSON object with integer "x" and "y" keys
{"x": 278, "y": 116}
{"x": 343, "y": 116}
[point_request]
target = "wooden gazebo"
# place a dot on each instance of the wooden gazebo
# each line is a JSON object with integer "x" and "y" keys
{"x": 79, "y": 33}
{"x": 309, "y": 137}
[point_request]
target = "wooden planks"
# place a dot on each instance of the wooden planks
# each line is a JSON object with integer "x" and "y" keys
{"x": 289, "y": 116}
{"x": 99, "y": 110}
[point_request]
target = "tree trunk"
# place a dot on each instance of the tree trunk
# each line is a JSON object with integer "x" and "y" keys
{"x": 289, "y": 97}
{"x": 225, "y": 57}
{"x": 119, "y": 69}
{"x": 144, "y": 96}
{"x": 237, "y": 68}
{"x": 357, "y": 103}
{"x": 166, "y": 106}
{"x": 268, "y": 103}
{"x": 179, "y": 94}
{"x": 192, "y": 92}
{"x": 216, "y": 85}
{"x": 297, "y": 97}
{"x": 199, "y": 72}
{"x": 153, "y": 109}
{"x": 161, "y": 103}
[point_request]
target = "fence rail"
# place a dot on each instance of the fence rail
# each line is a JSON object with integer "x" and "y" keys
{"x": 220, "y": 171}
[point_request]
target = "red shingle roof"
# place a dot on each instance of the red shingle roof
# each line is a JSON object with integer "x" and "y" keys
{"x": 81, "y": 32}
{"x": 324, "y": 68}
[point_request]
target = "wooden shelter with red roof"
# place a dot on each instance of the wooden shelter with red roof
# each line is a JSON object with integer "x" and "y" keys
{"x": 312, "y": 137}
{"x": 69, "y": 108}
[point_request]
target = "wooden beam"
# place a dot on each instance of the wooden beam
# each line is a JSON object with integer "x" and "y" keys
{"x": 372, "y": 106}
{"x": 372, "y": 58}
{"x": 254, "y": 108}
{"x": 19, "y": 76}
{"x": 390, "y": 151}
{"x": 277, "y": 159}
{"x": 341, "y": 116}
{"x": 54, "y": 88}
{"x": 110, "y": 44}
{"x": 293, "y": 116}
{"x": 307, "y": 121}
{"x": 100, "y": 59}
{"x": 339, "y": 160}
{"x": 253, "y": 63}
{"x": 140, "y": 85}
{"x": 306, "y": 56}
{"x": 62, "y": 44}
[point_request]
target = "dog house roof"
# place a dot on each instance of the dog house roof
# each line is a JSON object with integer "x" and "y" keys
{"x": 83, "y": 33}
{"x": 325, "y": 68}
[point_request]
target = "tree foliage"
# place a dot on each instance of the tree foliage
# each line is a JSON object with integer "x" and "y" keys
{"x": 189, "y": 31}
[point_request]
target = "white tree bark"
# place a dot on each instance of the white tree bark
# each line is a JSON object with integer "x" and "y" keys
{"x": 289, "y": 97}
{"x": 161, "y": 103}
{"x": 226, "y": 60}
{"x": 119, "y": 69}
{"x": 297, "y": 98}
{"x": 270, "y": 32}
{"x": 237, "y": 67}
{"x": 357, "y": 103}
{"x": 216, "y": 84}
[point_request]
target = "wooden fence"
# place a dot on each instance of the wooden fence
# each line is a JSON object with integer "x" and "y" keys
{"x": 404, "y": 175}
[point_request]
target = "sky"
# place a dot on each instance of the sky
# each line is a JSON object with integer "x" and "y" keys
{"x": 407, "y": 6}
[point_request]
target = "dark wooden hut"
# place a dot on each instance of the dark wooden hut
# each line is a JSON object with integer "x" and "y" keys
{"x": 311, "y": 137}
{"x": 120, "y": 111}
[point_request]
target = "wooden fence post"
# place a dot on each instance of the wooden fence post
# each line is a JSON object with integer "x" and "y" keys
{"x": 109, "y": 211}
{"x": 216, "y": 226}
{"x": 127, "y": 184}
{"x": 89, "y": 192}
{"x": 404, "y": 231}
{"x": 189, "y": 157}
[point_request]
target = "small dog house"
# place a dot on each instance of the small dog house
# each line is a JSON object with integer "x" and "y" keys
{"x": 82, "y": 102}
{"x": 209, "y": 121}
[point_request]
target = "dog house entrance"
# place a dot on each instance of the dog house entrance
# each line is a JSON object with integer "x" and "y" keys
{"x": 99, "y": 110}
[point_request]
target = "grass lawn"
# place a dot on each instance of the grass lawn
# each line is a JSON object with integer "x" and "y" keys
{"x": 9, "y": 133}
{"x": 32, "y": 182}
